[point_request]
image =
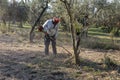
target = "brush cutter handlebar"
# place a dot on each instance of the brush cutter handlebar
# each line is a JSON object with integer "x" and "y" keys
{"x": 40, "y": 28}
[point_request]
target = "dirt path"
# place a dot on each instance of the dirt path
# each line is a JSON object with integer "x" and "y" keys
{"x": 25, "y": 61}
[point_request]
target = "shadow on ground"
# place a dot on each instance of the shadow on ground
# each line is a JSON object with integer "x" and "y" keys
{"x": 30, "y": 65}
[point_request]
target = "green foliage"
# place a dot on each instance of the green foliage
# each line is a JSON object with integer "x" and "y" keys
{"x": 78, "y": 27}
{"x": 115, "y": 32}
{"x": 3, "y": 28}
{"x": 22, "y": 13}
{"x": 3, "y": 7}
{"x": 63, "y": 28}
{"x": 98, "y": 44}
{"x": 106, "y": 29}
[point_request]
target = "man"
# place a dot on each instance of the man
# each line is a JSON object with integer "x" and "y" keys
{"x": 50, "y": 28}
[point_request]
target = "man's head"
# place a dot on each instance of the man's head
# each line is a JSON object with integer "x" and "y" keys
{"x": 56, "y": 20}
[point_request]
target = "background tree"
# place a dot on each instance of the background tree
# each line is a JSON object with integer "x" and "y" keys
{"x": 106, "y": 15}
{"x": 22, "y": 13}
{"x": 3, "y": 10}
{"x": 44, "y": 7}
{"x": 58, "y": 9}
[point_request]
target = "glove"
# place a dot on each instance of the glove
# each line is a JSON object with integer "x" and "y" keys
{"x": 40, "y": 28}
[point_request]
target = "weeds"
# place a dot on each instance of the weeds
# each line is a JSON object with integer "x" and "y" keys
{"x": 109, "y": 63}
{"x": 95, "y": 43}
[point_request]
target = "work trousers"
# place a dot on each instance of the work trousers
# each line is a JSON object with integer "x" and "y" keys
{"x": 47, "y": 40}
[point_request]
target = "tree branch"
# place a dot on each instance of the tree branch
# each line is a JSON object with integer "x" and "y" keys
{"x": 36, "y": 22}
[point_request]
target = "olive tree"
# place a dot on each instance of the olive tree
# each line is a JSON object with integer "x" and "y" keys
{"x": 70, "y": 7}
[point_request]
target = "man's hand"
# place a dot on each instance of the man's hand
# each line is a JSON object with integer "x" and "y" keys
{"x": 45, "y": 32}
{"x": 40, "y": 28}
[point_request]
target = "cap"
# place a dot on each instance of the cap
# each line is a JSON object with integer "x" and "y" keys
{"x": 56, "y": 20}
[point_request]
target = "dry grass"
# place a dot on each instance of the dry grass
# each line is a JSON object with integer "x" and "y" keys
{"x": 21, "y": 60}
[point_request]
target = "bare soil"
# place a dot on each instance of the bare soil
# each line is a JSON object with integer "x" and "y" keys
{"x": 21, "y": 60}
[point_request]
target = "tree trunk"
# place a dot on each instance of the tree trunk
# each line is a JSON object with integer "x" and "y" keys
{"x": 36, "y": 22}
{"x": 4, "y": 22}
{"x": 21, "y": 24}
{"x": 117, "y": 32}
{"x": 75, "y": 47}
{"x": 9, "y": 25}
{"x": 77, "y": 59}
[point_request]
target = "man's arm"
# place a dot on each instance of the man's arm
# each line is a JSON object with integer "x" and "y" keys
{"x": 45, "y": 26}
